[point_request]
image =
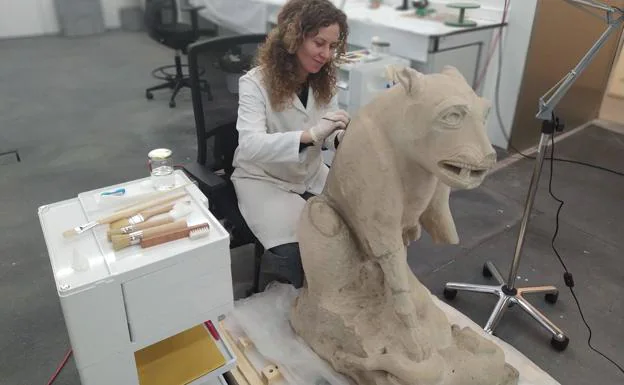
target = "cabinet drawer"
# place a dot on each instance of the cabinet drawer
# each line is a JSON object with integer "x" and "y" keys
{"x": 175, "y": 298}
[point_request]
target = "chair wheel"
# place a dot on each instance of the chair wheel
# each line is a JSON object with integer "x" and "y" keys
{"x": 149, "y": 95}
{"x": 172, "y": 104}
{"x": 486, "y": 271}
{"x": 551, "y": 297}
{"x": 450, "y": 294}
{"x": 560, "y": 345}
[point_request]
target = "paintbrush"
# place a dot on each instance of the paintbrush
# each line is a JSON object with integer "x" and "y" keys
{"x": 142, "y": 216}
{"x": 336, "y": 121}
{"x": 125, "y": 240}
{"x": 192, "y": 232}
{"x": 179, "y": 210}
{"x": 125, "y": 213}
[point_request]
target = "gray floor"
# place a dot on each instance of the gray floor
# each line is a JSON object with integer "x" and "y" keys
{"x": 75, "y": 110}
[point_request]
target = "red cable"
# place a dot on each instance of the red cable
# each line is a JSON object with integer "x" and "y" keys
{"x": 61, "y": 366}
{"x": 493, "y": 48}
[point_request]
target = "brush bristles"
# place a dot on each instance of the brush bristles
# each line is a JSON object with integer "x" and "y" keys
{"x": 120, "y": 241}
{"x": 110, "y": 233}
{"x": 119, "y": 224}
{"x": 198, "y": 233}
{"x": 69, "y": 233}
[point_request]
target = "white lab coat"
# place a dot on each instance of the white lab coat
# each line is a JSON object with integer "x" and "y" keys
{"x": 270, "y": 171}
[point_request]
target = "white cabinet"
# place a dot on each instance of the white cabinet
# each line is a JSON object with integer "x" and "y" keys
{"x": 119, "y": 304}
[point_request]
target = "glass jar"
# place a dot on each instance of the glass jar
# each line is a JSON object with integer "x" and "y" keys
{"x": 161, "y": 169}
{"x": 379, "y": 47}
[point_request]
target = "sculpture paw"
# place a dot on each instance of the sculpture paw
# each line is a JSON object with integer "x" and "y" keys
{"x": 351, "y": 360}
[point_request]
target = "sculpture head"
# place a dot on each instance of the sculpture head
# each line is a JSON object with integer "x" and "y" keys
{"x": 442, "y": 126}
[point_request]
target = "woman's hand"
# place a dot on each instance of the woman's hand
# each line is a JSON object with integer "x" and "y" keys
{"x": 332, "y": 121}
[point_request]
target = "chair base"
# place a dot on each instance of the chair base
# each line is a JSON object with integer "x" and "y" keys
{"x": 176, "y": 83}
{"x": 508, "y": 298}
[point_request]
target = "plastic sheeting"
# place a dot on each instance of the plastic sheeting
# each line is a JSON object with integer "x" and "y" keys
{"x": 264, "y": 318}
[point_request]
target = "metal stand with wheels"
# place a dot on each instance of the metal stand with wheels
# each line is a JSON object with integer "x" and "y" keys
{"x": 506, "y": 291}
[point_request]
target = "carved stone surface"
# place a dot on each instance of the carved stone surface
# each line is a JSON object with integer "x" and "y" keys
{"x": 361, "y": 308}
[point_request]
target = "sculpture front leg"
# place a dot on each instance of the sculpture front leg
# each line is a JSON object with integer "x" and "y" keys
{"x": 397, "y": 277}
{"x": 395, "y": 270}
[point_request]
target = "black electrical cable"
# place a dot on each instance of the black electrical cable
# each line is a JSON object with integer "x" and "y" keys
{"x": 498, "y": 114}
{"x": 567, "y": 276}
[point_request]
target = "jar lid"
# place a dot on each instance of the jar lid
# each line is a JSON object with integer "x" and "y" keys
{"x": 160, "y": 154}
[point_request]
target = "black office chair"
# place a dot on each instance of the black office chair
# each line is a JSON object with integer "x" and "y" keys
{"x": 220, "y": 62}
{"x": 161, "y": 22}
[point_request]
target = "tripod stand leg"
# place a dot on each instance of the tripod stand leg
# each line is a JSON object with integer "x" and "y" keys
{"x": 538, "y": 290}
{"x": 473, "y": 287}
{"x": 491, "y": 268}
{"x": 497, "y": 314}
{"x": 541, "y": 319}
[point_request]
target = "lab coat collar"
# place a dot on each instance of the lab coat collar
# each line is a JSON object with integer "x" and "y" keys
{"x": 311, "y": 103}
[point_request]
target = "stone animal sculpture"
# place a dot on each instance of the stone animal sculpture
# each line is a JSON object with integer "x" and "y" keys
{"x": 361, "y": 307}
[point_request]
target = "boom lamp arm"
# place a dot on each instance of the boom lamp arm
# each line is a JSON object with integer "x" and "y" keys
{"x": 551, "y": 98}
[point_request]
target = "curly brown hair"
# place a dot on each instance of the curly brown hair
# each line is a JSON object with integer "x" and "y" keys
{"x": 277, "y": 59}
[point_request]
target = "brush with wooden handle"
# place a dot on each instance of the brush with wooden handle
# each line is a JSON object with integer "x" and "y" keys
{"x": 179, "y": 211}
{"x": 125, "y": 240}
{"x": 124, "y": 213}
{"x": 142, "y": 216}
{"x": 192, "y": 232}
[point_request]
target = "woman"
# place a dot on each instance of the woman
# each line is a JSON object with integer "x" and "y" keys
{"x": 287, "y": 114}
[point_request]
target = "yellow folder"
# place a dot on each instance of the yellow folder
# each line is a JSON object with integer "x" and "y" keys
{"x": 180, "y": 359}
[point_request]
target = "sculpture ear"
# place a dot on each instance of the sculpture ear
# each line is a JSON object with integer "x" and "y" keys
{"x": 453, "y": 72}
{"x": 407, "y": 77}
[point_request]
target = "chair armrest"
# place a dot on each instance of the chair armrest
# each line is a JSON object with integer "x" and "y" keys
{"x": 192, "y": 10}
{"x": 208, "y": 181}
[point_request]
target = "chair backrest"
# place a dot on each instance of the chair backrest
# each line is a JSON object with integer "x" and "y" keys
{"x": 215, "y": 66}
{"x": 159, "y": 13}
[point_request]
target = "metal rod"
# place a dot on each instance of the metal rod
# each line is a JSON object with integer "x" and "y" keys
{"x": 541, "y": 151}
{"x": 593, "y": 4}
{"x": 546, "y": 107}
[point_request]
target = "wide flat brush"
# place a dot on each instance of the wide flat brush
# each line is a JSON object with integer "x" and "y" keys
{"x": 126, "y": 240}
{"x": 191, "y": 232}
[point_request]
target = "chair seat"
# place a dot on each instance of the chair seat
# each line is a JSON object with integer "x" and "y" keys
{"x": 177, "y": 36}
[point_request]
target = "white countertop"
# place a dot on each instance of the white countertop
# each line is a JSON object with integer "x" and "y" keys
{"x": 387, "y": 16}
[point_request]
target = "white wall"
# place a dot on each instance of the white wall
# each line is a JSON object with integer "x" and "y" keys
{"x": 21, "y": 18}
{"x": 111, "y": 8}
{"x": 515, "y": 48}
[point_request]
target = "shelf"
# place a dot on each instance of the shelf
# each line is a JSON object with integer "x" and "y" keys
{"x": 192, "y": 357}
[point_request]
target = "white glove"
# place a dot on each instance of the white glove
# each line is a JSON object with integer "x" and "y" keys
{"x": 331, "y": 122}
{"x": 330, "y": 141}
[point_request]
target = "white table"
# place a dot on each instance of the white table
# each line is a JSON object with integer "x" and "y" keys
{"x": 118, "y": 302}
{"x": 428, "y": 44}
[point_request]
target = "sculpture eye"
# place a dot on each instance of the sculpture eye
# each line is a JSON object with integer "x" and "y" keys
{"x": 453, "y": 117}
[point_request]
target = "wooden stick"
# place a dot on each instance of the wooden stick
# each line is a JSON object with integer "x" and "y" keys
{"x": 138, "y": 208}
{"x": 154, "y": 195}
{"x": 244, "y": 366}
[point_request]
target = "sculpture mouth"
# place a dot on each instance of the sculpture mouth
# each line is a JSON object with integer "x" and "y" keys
{"x": 463, "y": 171}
